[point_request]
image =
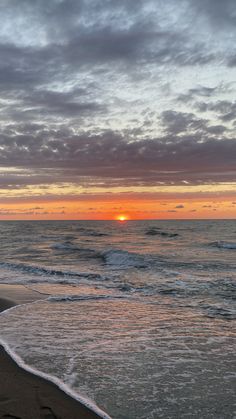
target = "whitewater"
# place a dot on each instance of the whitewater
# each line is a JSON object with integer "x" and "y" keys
{"x": 138, "y": 318}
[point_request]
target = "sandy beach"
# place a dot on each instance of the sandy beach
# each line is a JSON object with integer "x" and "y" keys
{"x": 24, "y": 395}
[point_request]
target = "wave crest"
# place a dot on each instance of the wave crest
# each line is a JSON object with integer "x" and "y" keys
{"x": 123, "y": 259}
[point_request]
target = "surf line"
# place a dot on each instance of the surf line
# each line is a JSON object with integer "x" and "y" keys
{"x": 62, "y": 386}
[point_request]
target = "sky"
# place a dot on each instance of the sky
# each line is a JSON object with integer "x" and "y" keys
{"x": 117, "y": 107}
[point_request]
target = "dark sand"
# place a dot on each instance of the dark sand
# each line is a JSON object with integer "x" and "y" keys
{"x": 24, "y": 395}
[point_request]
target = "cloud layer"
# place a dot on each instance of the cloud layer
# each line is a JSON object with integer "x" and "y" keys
{"x": 106, "y": 92}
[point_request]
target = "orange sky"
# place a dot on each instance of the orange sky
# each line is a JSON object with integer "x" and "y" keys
{"x": 111, "y": 206}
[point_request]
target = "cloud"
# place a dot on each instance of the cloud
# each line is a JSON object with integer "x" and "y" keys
{"x": 225, "y": 109}
{"x": 200, "y": 91}
{"x": 82, "y": 97}
{"x": 111, "y": 158}
{"x": 179, "y": 122}
{"x": 232, "y": 60}
{"x": 219, "y": 13}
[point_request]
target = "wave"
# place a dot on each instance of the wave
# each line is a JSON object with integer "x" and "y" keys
{"x": 154, "y": 231}
{"x": 70, "y": 247}
{"x": 64, "y": 246}
{"x": 88, "y": 232}
{"x": 123, "y": 259}
{"x": 224, "y": 245}
{"x": 97, "y": 234}
{"x": 71, "y": 298}
{"x": 42, "y": 271}
{"x": 221, "y": 312}
{"x": 118, "y": 258}
{"x": 223, "y": 289}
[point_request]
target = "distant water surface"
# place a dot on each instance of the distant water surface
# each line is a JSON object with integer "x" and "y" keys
{"x": 139, "y": 316}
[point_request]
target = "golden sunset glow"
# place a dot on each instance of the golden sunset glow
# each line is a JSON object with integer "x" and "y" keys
{"x": 132, "y": 206}
{"x": 122, "y": 218}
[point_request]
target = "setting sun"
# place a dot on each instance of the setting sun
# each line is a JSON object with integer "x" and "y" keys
{"x": 121, "y": 218}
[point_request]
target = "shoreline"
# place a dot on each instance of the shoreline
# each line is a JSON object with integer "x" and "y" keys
{"x": 23, "y": 393}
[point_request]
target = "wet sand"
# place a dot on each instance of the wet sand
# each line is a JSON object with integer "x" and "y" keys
{"x": 24, "y": 395}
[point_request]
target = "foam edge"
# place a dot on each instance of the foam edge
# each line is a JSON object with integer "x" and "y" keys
{"x": 62, "y": 386}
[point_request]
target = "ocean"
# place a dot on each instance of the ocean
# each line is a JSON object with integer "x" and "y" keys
{"x": 138, "y": 316}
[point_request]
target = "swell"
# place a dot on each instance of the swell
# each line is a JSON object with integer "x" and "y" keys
{"x": 70, "y": 247}
{"x": 155, "y": 231}
{"x": 62, "y": 386}
{"x": 224, "y": 245}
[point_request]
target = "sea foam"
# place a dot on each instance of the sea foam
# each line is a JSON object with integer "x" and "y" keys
{"x": 64, "y": 387}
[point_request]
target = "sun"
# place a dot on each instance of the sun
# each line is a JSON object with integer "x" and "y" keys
{"x": 121, "y": 217}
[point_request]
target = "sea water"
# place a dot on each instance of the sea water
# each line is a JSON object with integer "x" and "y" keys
{"x": 138, "y": 317}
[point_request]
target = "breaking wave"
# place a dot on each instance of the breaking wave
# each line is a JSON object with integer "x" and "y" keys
{"x": 123, "y": 259}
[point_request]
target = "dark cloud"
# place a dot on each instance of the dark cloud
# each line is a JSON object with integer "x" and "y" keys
{"x": 68, "y": 104}
{"x": 219, "y": 13}
{"x": 196, "y": 92}
{"x": 232, "y": 60}
{"x": 226, "y": 110}
{"x": 179, "y": 122}
{"x": 24, "y": 67}
{"x": 109, "y": 155}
